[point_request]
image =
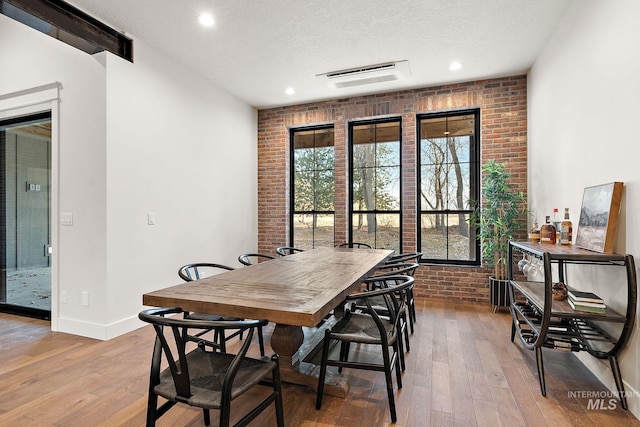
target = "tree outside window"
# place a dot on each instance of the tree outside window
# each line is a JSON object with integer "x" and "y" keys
{"x": 313, "y": 188}
{"x": 448, "y": 182}
{"x": 375, "y": 178}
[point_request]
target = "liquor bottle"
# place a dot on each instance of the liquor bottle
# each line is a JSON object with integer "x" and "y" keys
{"x": 556, "y": 223}
{"x": 548, "y": 232}
{"x": 566, "y": 229}
{"x": 534, "y": 233}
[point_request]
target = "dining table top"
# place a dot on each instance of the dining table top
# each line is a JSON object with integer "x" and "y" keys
{"x": 298, "y": 289}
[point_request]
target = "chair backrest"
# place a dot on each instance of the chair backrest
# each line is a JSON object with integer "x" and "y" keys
{"x": 199, "y": 270}
{"x": 287, "y": 250}
{"x": 405, "y": 257}
{"x": 354, "y": 245}
{"x": 170, "y": 343}
{"x": 400, "y": 268}
{"x": 248, "y": 259}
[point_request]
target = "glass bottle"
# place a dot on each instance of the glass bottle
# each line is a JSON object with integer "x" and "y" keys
{"x": 534, "y": 233}
{"x": 556, "y": 223}
{"x": 566, "y": 229}
{"x": 548, "y": 232}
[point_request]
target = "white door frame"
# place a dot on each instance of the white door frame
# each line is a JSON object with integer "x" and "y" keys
{"x": 31, "y": 101}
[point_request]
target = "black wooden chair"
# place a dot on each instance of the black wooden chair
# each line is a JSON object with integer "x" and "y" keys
{"x": 250, "y": 259}
{"x": 354, "y": 245}
{"x": 408, "y": 268}
{"x": 384, "y": 278}
{"x": 287, "y": 250}
{"x": 197, "y": 271}
{"x": 369, "y": 328}
{"x": 410, "y": 257}
{"x": 206, "y": 379}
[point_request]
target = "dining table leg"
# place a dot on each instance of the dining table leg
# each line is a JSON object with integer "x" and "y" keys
{"x": 293, "y": 345}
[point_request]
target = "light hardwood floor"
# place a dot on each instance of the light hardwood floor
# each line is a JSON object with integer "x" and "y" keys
{"x": 462, "y": 371}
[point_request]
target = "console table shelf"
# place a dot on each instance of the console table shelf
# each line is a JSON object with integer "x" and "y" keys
{"x": 540, "y": 321}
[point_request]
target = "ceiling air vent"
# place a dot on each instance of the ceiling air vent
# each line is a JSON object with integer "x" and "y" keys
{"x": 369, "y": 74}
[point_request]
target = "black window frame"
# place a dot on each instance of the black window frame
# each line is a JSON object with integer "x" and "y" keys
{"x": 351, "y": 211}
{"x": 6, "y": 306}
{"x": 292, "y": 171}
{"x": 474, "y": 188}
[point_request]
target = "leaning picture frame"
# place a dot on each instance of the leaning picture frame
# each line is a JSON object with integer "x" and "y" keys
{"x": 599, "y": 217}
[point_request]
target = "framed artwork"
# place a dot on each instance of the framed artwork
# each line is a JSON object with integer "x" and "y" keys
{"x": 599, "y": 217}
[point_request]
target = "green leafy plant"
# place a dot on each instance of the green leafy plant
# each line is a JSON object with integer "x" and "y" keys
{"x": 499, "y": 217}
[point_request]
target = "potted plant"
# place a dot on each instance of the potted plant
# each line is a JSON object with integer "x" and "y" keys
{"x": 497, "y": 218}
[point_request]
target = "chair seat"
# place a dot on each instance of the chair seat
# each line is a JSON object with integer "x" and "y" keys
{"x": 356, "y": 327}
{"x": 207, "y": 372}
{"x": 377, "y": 304}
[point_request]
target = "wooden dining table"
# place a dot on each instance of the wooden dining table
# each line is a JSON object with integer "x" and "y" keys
{"x": 296, "y": 292}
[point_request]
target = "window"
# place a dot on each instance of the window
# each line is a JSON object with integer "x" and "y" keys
{"x": 375, "y": 183}
{"x": 449, "y": 181}
{"x": 312, "y": 188}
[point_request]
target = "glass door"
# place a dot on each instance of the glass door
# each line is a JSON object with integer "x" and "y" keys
{"x": 25, "y": 229}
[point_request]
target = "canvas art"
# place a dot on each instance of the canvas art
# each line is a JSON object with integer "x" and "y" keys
{"x": 599, "y": 217}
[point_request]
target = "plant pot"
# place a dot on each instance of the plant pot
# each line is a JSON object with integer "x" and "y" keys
{"x": 499, "y": 293}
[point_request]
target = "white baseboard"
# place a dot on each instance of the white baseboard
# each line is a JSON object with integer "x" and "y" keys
{"x": 96, "y": 330}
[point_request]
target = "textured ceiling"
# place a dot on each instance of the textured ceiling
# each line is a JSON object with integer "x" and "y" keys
{"x": 258, "y": 48}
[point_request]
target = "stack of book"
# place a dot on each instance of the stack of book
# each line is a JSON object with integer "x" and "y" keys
{"x": 586, "y": 301}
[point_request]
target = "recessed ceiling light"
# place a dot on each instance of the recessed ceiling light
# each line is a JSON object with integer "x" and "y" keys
{"x": 206, "y": 20}
{"x": 455, "y": 66}
{"x": 289, "y": 91}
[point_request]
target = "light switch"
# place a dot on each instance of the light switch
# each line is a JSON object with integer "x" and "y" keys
{"x": 85, "y": 298}
{"x": 66, "y": 218}
{"x": 151, "y": 218}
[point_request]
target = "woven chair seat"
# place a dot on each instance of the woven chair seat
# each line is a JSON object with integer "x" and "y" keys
{"x": 356, "y": 327}
{"x": 378, "y": 304}
{"x": 207, "y": 371}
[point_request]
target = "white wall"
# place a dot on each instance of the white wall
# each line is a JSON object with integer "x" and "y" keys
{"x": 583, "y": 105}
{"x": 136, "y": 138}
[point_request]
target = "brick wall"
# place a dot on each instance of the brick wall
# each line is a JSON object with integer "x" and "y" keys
{"x": 503, "y": 116}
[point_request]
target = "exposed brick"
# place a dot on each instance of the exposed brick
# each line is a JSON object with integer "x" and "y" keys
{"x": 503, "y": 115}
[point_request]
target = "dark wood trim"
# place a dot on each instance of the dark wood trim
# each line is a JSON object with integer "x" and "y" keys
{"x": 71, "y": 25}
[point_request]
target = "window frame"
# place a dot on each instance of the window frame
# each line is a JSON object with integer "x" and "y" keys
{"x": 350, "y": 201}
{"x": 474, "y": 188}
{"x": 292, "y": 178}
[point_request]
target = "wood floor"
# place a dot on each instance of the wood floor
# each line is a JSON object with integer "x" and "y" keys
{"x": 462, "y": 371}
